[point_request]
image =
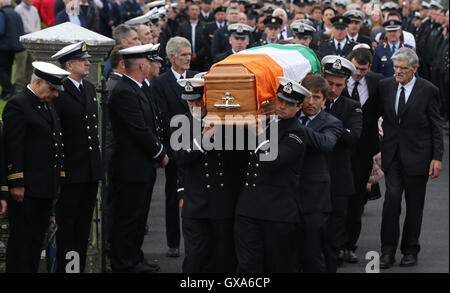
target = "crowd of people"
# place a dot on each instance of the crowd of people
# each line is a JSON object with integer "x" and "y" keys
{"x": 380, "y": 106}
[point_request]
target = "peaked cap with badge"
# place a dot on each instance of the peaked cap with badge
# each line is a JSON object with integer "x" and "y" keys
{"x": 51, "y": 73}
{"x": 273, "y": 21}
{"x": 291, "y": 91}
{"x": 354, "y": 15}
{"x": 301, "y": 28}
{"x": 72, "y": 52}
{"x": 192, "y": 88}
{"x": 240, "y": 30}
{"x": 148, "y": 51}
{"x": 392, "y": 25}
{"x": 340, "y": 21}
{"x": 338, "y": 66}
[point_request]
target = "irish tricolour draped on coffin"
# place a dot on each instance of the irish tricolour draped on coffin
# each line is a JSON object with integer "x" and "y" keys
{"x": 246, "y": 83}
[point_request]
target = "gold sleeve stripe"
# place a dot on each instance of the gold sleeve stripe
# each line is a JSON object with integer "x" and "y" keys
{"x": 4, "y": 188}
{"x": 15, "y": 176}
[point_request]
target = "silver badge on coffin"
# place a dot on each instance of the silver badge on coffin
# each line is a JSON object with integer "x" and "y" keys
{"x": 288, "y": 88}
{"x": 188, "y": 87}
{"x": 337, "y": 64}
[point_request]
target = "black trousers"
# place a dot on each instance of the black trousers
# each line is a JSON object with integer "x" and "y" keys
{"x": 361, "y": 167}
{"x": 6, "y": 62}
{"x": 266, "y": 246}
{"x": 209, "y": 246}
{"x": 74, "y": 210}
{"x": 335, "y": 232}
{"x": 312, "y": 254}
{"x": 414, "y": 187}
{"x": 28, "y": 223}
{"x": 131, "y": 206}
{"x": 173, "y": 233}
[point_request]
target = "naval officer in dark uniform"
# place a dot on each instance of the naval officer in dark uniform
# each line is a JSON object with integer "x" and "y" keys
{"x": 336, "y": 71}
{"x": 268, "y": 218}
{"x": 382, "y": 62}
{"x": 239, "y": 40}
{"x": 34, "y": 160}
{"x": 136, "y": 153}
{"x": 207, "y": 192}
{"x": 77, "y": 108}
{"x": 339, "y": 45}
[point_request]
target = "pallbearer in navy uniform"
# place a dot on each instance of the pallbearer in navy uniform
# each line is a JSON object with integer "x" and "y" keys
{"x": 382, "y": 62}
{"x": 34, "y": 159}
{"x": 339, "y": 45}
{"x": 77, "y": 108}
{"x": 239, "y": 40}
{"x": 207, "y": 194}
{"x": 337, "y": 70}
{"x": 267, "y": 231}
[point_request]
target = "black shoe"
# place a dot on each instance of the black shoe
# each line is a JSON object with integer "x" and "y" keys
{"x": 173, "y": 252}
{"x": 153, "y": 266}
{"x": 408, "y": 260}
{"x": 350, "y": 256}
{"x": 140, "y": 268}
{"x": 386, "y": 261}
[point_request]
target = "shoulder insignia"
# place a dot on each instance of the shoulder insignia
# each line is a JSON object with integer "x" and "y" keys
{"x": 293, "y": 136}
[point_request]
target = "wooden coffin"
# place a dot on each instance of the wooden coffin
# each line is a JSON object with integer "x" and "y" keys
{"x": 231, "y": 96}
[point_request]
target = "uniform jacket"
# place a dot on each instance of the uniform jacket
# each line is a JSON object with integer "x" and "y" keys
{"x": 219, "y": 43}
{"x": 339, "y": 160}
{"x": 328, "y": 48}
{"x": 382, "y": 62}
{"x": 33, "y": 145}
{"x": 137, "y": 147}
{"x": 271, "y": 188}
{"x": 322, "y": 134}
{"x": 3, "y": 182}
{"x": 208, "y": 181}
{"x": 418, "y": 136}
{"x": 79, "y": 124}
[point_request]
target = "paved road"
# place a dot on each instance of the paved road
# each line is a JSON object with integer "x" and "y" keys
{"x": 433, "y": 258}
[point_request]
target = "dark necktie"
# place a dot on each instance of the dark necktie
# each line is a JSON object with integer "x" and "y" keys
{"x": 305, "y": 120}
{"x": 81, "y": 89}
{"x": 328, "y": 105}
{"x": 339, "y": 49}
{"x": 401, "y": 103}
{"x": 393, "y": 49}
{"x": 355, "y": 93}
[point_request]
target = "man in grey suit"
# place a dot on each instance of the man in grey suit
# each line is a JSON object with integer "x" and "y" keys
{"x": 411, "y": 151}
{"x": 322, "y": 132}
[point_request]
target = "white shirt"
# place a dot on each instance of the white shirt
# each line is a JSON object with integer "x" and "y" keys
{"x": 177, "y": 75}
{"x": 74, "y": 19}
{"x": 408, "y": 89}
{"x": 343, "y": 42}
{"x": 76, "y": 83}
{"x": 353, "y": 38}
{"x": 220, "y": 25}
{"x": 205, "y": 15}
{"x": 283, "y": 34}
{"x": 193, "y": 26}
{"x": 363, "y": 89}
{"x": 138, "y": 83}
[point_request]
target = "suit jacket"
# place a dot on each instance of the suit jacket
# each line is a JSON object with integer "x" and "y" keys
{"x": 322, "y": 134}
{"x": 33, "y": 145}
{"x": 137, "y": 147}
{"x": 350, "y": 113}
{"x": 201, "y": 43}
{"x": 382, "y": 62}
{"x": 368, "y": 143}
{"x": 62, "y": 17}
{"x": 222, "y": 56}
{"x": 206, "y": 180}
{"x": 219, "y": 43}
{"x": 418, "y": 137}
{"x": 167, "y": 94}
{"x": 79, "y": 124}
{"x": 271, "y": 189}
{"x": 328, "y": 48}
{"x": 207, "y": 20}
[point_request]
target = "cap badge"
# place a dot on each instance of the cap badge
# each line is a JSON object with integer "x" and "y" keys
{"x": 355, "y": 15}
{"x": 188, "y": 87}
{"x": 301, "y": 29}
{"x": 240, "y": 29}
{"x": 273, "y": 20}
{"x": 83, "y": 48}
{"x": 337, "y": 64}
{"x": 392, "y": 22}
{"x": 341, "y": 20}
{"x": 288, "y": 88}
